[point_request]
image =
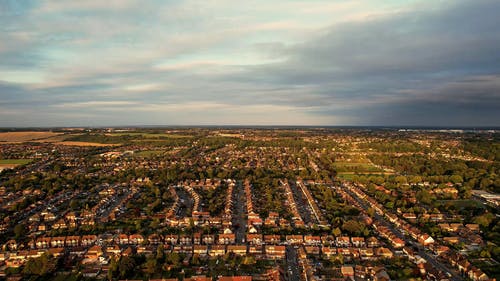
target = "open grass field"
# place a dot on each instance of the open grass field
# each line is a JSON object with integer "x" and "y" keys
{"x": 350, "y": 175}
{"x": 15, "y": 137}
{"x": 149, "y": 135}
{"x": 460, "y": 204}
{"x": 57, "y": 138}
{"x": 358, "y": 167}
{"x": 353, "y": 164}
{"x": 14, "y": 161}
{"x": 345, "y": 176}
{"x": 83, "y": 143}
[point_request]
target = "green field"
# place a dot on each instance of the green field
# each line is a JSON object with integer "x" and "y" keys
{"x": 345, "y": 176}
{"x": 358, "y": 167}
{"x": 350, "y": 175}
{"x": 149, "y": 135}
{"x": 15, "y": 161}
{"x": 352, "y": 164}
{"x": 460, "y": 204}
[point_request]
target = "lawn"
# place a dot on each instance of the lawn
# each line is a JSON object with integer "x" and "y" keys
{"x": 359, "y": 167}
{"x": 15, "y": 161}
{"x": 340, "y": 163}
{"x": 461, "y": 204}
{"x": 345, "y": 176}
{"x": 350, "y": 175}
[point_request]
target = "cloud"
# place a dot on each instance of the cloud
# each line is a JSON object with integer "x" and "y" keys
{"x": 98, "y": 104}
{"x": 415, "y": 58}
{"x": 324, "y": 62}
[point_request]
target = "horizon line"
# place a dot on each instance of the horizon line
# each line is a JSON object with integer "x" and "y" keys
{"x": 479, "y": 127}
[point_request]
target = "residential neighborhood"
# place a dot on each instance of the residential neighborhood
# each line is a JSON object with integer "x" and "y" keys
{"x": 250, "y": 204}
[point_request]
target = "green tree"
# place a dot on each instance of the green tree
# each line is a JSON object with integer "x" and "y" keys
{"x": 484, "y": 220}
{"x": 138, "y": 225}
{"x": 39, "y": 266}
{"x": 456, "y": 179}
{"x": 173, "y": 259}
{"x": 401, "y": 180}
{"x": 424, "y": 197}
{"x": 126, "y": 267}
{"x": 150, "y": 266}
{"x": 74, "y": 204}
{"x": 353, "y": 227}
{"x": 370, "y": 211}
{"x": 19, "y": 230}
{"x": 160, "y": 254}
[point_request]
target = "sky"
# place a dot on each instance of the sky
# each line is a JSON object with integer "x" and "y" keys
{"x": 252, "y": 62}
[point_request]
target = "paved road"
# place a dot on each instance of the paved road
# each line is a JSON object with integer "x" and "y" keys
{"x": 239, "y": 212}
{"x": 430, "y": 259}
{"x": 301, "y": 202}
{"x": 292, "y": 265}
{"x": 19, "y": 217}
{"x": 37, "y": 166}
{"x": 455, "y": 275}
{"x": 186, "y": 203}
{"x": 114, "y": 201}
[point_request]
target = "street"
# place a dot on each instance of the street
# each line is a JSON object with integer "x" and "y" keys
{"x": 239, "y": 214}
{"x": 455, "y": 276}
{"x": 292, "y": 265}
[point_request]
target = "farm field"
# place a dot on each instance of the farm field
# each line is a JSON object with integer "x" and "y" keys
{"x": 84, "y": 143}
{"x": 149, "y": 135}
{"x": 56, "y": 138}
{"x": 15, "y": 137}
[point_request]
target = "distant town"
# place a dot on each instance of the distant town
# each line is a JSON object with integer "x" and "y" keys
{"x": 243, "y": 204}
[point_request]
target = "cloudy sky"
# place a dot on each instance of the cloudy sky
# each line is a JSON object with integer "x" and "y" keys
{"x": 252, "y": 62}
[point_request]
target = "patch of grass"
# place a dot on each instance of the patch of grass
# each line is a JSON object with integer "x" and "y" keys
{"x": 345, "y": 176}
{"x": 461, "y": 204}
{"x": 15, "y": 161}
{"x": 350, "y": 175}
{"x": 351, "y": 163}
{"x": 358, "y": 167}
